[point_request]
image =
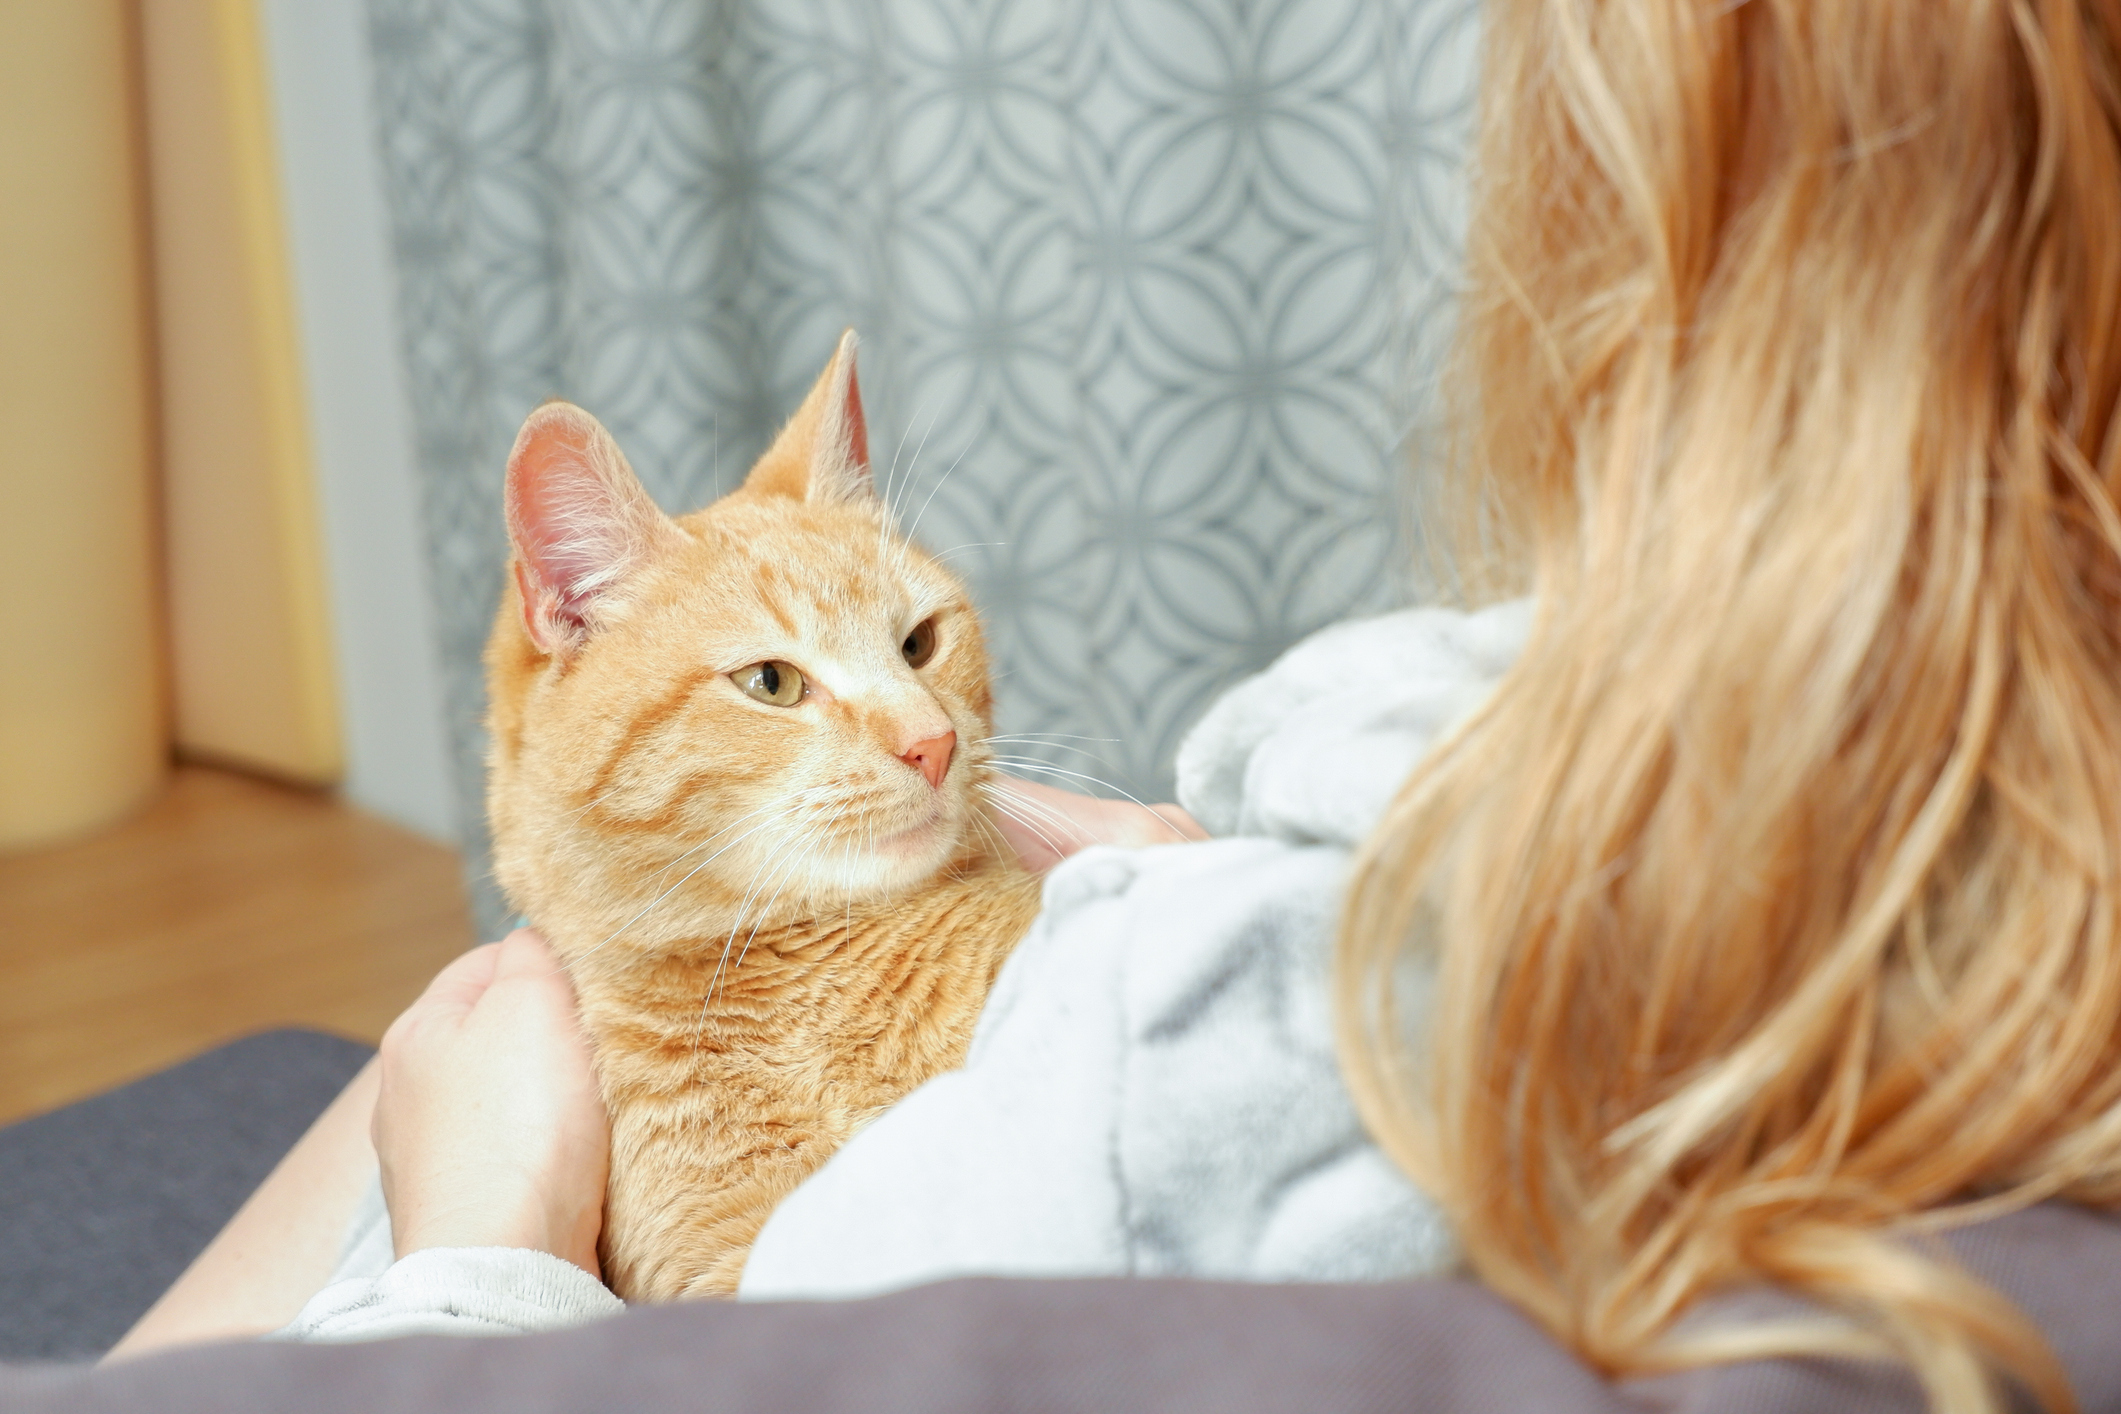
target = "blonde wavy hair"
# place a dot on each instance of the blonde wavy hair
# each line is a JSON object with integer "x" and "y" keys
{"x": 1774, "y": 900}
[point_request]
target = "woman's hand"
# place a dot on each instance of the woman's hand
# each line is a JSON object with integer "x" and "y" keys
{"x": 1045, "y": 825}
{"x": 489, "y": 1125}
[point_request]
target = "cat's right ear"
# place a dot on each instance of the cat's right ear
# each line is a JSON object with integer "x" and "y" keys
{"x": 579, "y": 521}
{"x": 822, "y": 455}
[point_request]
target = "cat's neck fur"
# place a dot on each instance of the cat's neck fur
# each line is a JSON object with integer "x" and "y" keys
{"x": 615, "y": 938}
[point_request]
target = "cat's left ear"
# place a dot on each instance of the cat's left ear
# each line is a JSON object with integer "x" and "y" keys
{"x": 822, "y": 455}
{"x": 579, "y": 522}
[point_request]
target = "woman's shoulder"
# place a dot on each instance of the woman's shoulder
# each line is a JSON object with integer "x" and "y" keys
{"x": 1313, "y": 748}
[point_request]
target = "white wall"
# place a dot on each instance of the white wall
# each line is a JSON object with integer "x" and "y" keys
{"x": 360, "y": 422}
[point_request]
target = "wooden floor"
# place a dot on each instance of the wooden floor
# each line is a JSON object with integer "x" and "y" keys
{"x": 227, "y": 906}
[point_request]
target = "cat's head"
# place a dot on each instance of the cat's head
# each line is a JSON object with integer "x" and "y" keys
{"x": 764, "y": 710}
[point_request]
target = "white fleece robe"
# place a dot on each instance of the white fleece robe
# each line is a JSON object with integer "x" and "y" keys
{"x": 1152, "y": 1089}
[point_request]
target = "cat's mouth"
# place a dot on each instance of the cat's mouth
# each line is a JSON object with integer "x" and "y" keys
{"x": 916, "y": 839}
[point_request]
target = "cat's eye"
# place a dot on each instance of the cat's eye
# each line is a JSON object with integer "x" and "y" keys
{"x": 919, "y": 646}
{"x": 780, "y": 684}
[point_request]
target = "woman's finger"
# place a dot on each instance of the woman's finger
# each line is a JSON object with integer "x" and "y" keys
{"x": 525, "y": 954}
{"x": 447, "y": 1001}
{"x": 460, "y": 985}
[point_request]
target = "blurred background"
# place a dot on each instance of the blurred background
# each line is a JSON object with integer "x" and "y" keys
{"x": 1152, "y": 295}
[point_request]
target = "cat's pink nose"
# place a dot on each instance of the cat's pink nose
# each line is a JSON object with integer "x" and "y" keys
{"x": 931, "y": 757}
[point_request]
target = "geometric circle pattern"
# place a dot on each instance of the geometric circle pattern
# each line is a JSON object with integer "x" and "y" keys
{"x": 1150, "y": 293}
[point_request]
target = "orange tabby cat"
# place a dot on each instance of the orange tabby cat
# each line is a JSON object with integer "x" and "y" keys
{"x": 735, "y": 779}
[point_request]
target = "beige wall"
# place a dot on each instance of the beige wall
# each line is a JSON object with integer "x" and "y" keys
{"x": 147, "y": 326}
{"x": 249, "y": 633}
{"x": 81, "y": 739}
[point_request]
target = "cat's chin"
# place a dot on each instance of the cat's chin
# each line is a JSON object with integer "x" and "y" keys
{"x": 921, "y": 849}
{"x": 910, "y": 857}
{"x": 920, "y": 840}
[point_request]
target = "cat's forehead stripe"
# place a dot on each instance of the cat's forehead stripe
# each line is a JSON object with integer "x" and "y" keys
{"x": 800, "y": 584}
{"x": 892, "y": 585}
{"x": 779, "y": 614}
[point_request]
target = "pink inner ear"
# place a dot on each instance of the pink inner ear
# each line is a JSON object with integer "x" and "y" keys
{"x": 565, "y": 519}
{"x": 857, "y": 424}
{"x": 573, "y": 518}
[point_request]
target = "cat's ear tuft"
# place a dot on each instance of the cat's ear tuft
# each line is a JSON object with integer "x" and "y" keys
{"x": 579, "y": 521}
{"x": 822, "y": 455}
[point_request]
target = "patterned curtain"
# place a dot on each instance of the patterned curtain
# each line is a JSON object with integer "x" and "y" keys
{"x": 1150, "y": 292}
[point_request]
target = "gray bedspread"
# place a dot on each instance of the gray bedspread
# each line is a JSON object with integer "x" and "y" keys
{"x": 1179, "y": 1347}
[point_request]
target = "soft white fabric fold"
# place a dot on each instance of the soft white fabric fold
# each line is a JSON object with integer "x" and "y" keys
{"x": 456, "y": 1291}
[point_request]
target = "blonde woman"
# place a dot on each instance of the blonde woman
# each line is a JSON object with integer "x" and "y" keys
{"x": 1766, "y": 919}
{"x": 1776, "y": 895}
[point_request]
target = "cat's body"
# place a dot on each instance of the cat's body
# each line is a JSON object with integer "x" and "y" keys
{"x": 718, "y": 1112}
{"x": 736, "y": 778}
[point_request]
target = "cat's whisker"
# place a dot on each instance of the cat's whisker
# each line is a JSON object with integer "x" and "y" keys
{"x": 1023, "y": 810}
{"x": 652, "y": 904}
{"x": 687, "y": 854}
{"x": 913, "y": 465}
{"x": 1026, "y": 803}
{"x": 1010, "y": 851}
{"x": 991, "y": 788}
{"x": 889, "y": 505}
{"x": 914, "y": 529}
{"x": 758, "y": 876}
{"x": 703, "y": 844}
{"x": 583, "y": 809}
{"x": 1057, "y": 746}
{"x": 868, "y": 849}
{"x": 658, "y": 899}
{"x": 815, "y": 843}
{"x": 797, "y": 852}
{"x": 971, "y": 545}
{"x": 1032, "y": 763}
{"x": 1030, "y": 825}
{"x": 1021, "y": 763}
{"x": 892, "y": 471}
{"x": 850, "y": 852}
{"x": 1002, "y": 847}
{"x": 787, "y": 852}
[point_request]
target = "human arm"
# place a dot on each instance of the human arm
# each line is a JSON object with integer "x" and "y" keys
{"x": 488, "y": 1124}
{"x": 483, "y": 1113}
{"x": 494, "y": 1148}
{"x": 281, "y": 1244}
